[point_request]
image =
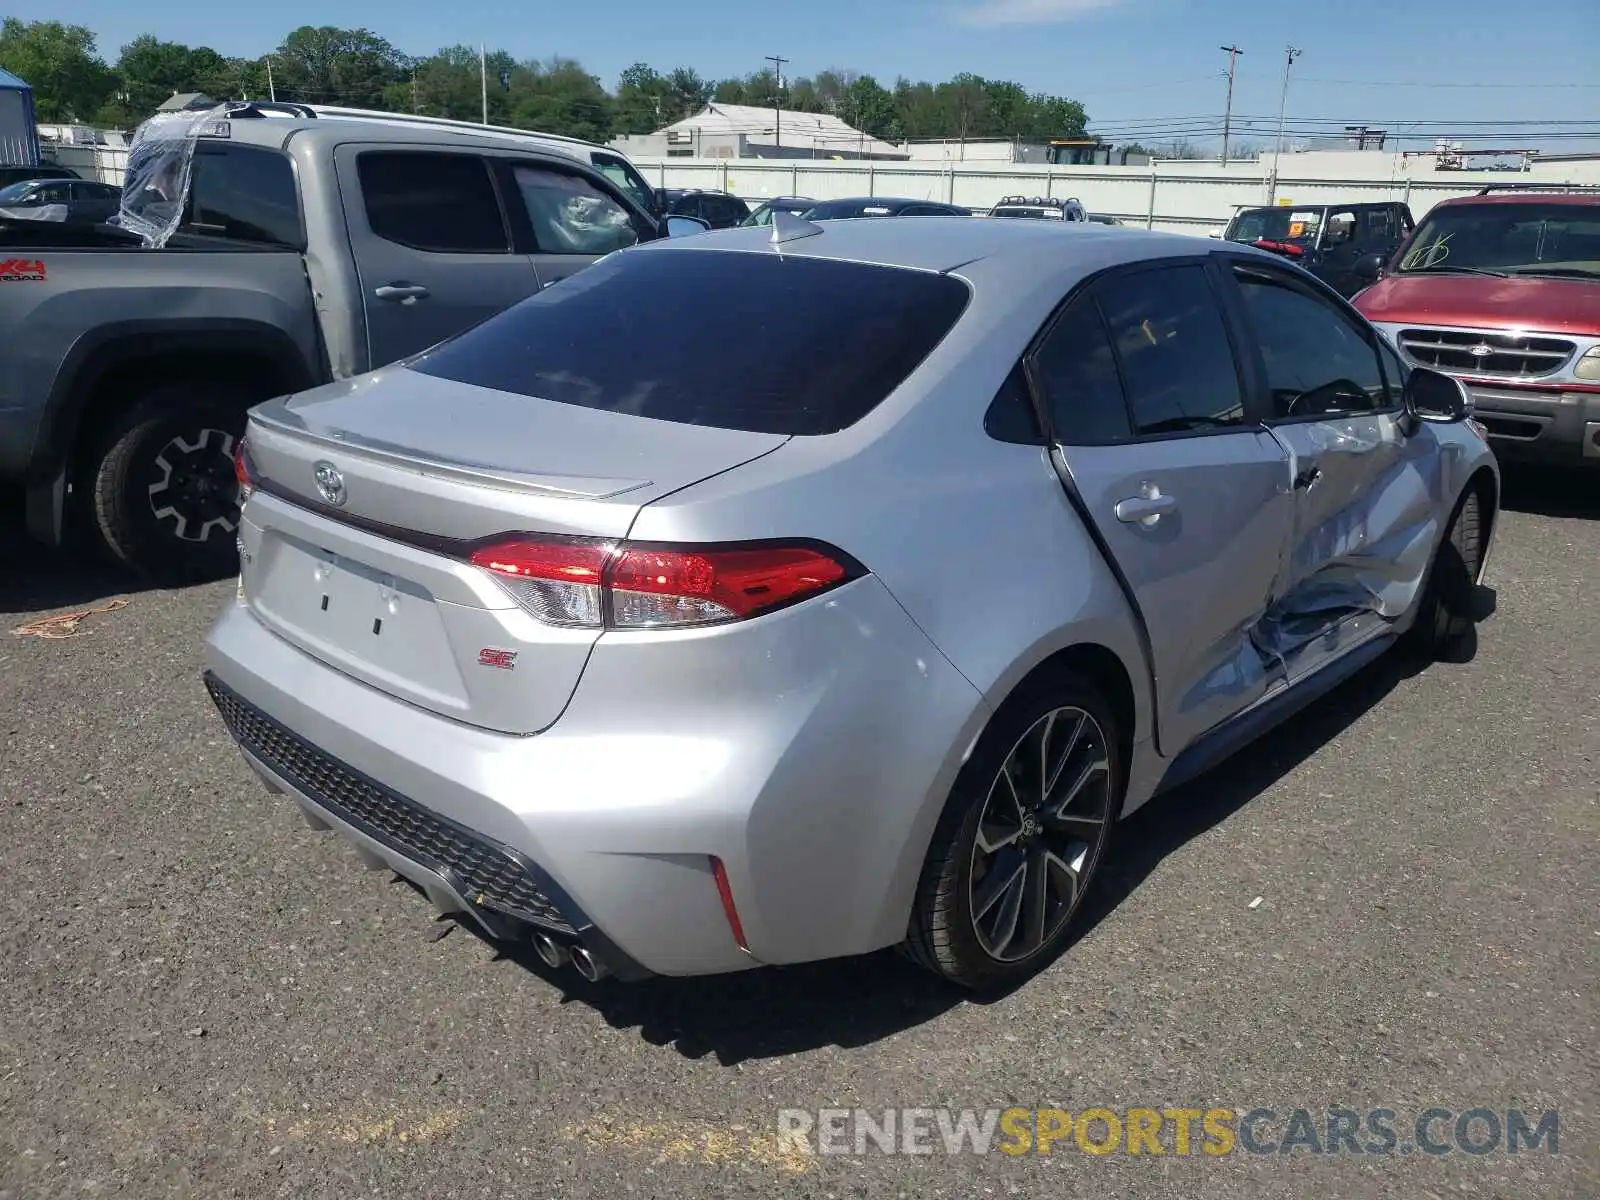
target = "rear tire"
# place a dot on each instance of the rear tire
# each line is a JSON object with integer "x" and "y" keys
{"x": 161, "y": 488}
{"x": 1447, "y": 610}
{"x": 1026, "y": 825}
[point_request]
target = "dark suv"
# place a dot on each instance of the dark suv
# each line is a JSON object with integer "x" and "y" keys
{"x": 1329, "y": 240}
{"x": 720, "y": 210}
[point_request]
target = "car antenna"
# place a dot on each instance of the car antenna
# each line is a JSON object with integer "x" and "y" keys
{"x": 786, "y": 227}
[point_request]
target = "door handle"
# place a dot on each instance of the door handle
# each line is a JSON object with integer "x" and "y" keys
{"x": 1145, "y": 509}
{"x": 406, "y": 293}
{"x": 1307, "y": 479}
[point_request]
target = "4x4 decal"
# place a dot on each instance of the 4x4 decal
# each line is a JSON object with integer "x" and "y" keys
{"x": 22, "y": 270}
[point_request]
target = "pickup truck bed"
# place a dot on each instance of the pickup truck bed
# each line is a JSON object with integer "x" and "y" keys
{"x": 110, "y": 342}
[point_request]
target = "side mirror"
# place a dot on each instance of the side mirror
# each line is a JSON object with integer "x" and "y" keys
{"x": 686, "y": 226}
{"x": 1369, "y": 269}
{"x": 1435, "y": 396}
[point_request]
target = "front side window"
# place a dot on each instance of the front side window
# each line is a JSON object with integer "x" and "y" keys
{"x": 438, "y": 203}
{"x": 1339, "y": 228}
{"x": 800, "y": 345}
{"x": 1172, "y": 346}
{"x": 1075, "y": 371}
{"x": 1318, "y": 364}
{"x": 1508, "y": 238}
{"x": 629, "y": 181}
{"x": 570, "y": 215}
{"x": 1395, "y": 372}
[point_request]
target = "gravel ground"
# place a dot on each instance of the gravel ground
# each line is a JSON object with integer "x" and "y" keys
{"x": 200, "y": 996}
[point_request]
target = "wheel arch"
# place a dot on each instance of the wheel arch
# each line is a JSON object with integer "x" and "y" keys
{"x": 110, "y": 366}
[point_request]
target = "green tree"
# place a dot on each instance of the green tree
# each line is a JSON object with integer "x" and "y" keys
{"x": 687, "y": 93}
{"x": 559, "y": 96}
{"x": 868, "y": 106}
{"x": 153, "y": 70}
{"x": 642, "y": 100}
{"x": 60, "y": 63}
{"x": 328, "y": 65}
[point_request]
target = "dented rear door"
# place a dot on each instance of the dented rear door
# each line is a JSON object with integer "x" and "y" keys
{"x": 1365, "y": 516}
{"x": 1187, "y": 493}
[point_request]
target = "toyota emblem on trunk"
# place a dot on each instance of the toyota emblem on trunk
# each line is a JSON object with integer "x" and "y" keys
{"x": 330, "y": 484}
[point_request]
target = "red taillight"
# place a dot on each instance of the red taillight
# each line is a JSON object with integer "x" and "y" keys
{"x": 241, "y": 469}
{"x": 574, "y": 581}
{"x": 558, "y": 580}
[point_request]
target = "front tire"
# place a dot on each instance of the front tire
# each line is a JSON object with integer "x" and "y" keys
{"x": 1026, "y": 825}
{"x": 161, "y": 486}
{"x": 1446, "y": 612}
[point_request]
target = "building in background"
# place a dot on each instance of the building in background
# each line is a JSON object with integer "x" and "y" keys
{"x": 186, "y": 102}
{"x": 745, "y": 131}
{"x": 19, "y": 131}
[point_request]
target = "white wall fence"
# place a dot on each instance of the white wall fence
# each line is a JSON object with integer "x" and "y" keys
{"x": 1184, "y": 197}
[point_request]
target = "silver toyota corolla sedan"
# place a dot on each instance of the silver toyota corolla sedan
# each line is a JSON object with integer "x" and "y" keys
{"x": 852, "y": 618}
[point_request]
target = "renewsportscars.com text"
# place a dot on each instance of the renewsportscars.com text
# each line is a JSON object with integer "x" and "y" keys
{"x": 1169, "y": 1130}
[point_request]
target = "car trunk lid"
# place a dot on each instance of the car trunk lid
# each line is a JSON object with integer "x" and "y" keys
{"x": 370, "y": 493}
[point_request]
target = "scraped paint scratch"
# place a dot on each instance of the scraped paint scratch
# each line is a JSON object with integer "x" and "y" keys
{"x": 398, "y": 1129}
{"x": 696, "y": 1142}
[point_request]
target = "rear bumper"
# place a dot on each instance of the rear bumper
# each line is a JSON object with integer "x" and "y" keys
{"x": 810, "y": 753}
{"x": 1540, "y": 425}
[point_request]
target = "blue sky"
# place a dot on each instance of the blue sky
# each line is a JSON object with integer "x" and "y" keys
{"x": 1124, "y": 59}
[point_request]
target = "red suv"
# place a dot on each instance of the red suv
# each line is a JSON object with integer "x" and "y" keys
{"x": 1502, "y": 290}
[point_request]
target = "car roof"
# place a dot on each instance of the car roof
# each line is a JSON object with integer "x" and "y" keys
{"x": 1524, "y": 197}
{"x": 946, "y": 244}
{"x": 278, "y": 130}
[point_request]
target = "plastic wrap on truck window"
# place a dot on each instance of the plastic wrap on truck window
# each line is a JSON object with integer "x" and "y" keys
{"x": 161, "y": 169}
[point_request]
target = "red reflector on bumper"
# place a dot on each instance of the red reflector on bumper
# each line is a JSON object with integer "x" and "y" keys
{"x": 728, "y": 909}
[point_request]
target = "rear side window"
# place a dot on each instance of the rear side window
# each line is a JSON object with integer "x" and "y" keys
{"x": 1076, "y": 373}
{"x": 799, "y": 346}
{"x": 440, "y": 203}
{"x": 246, "y": 193}
{"x": 1173, "y": 348}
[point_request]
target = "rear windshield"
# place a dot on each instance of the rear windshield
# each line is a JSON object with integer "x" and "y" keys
{"x": 844, "y": 210}
{"x": 755, "y": 342}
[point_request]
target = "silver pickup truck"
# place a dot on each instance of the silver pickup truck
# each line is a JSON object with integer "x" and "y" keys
{"x": 303, "y": 248}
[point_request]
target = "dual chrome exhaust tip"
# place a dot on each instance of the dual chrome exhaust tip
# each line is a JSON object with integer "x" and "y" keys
{"x": 555, "y": 955}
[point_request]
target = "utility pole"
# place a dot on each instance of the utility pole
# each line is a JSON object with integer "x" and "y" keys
{"x": 414, "y": 107}
{"x": 272, "y": 92}
{"x": 483, "y": 78}
{"x": 1289, "y": 55}
{"x": 1233, "y": 53}
{"x": 777, "y": 98}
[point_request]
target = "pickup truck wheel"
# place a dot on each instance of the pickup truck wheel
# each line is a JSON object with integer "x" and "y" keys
{"x": 161, "y": 485}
